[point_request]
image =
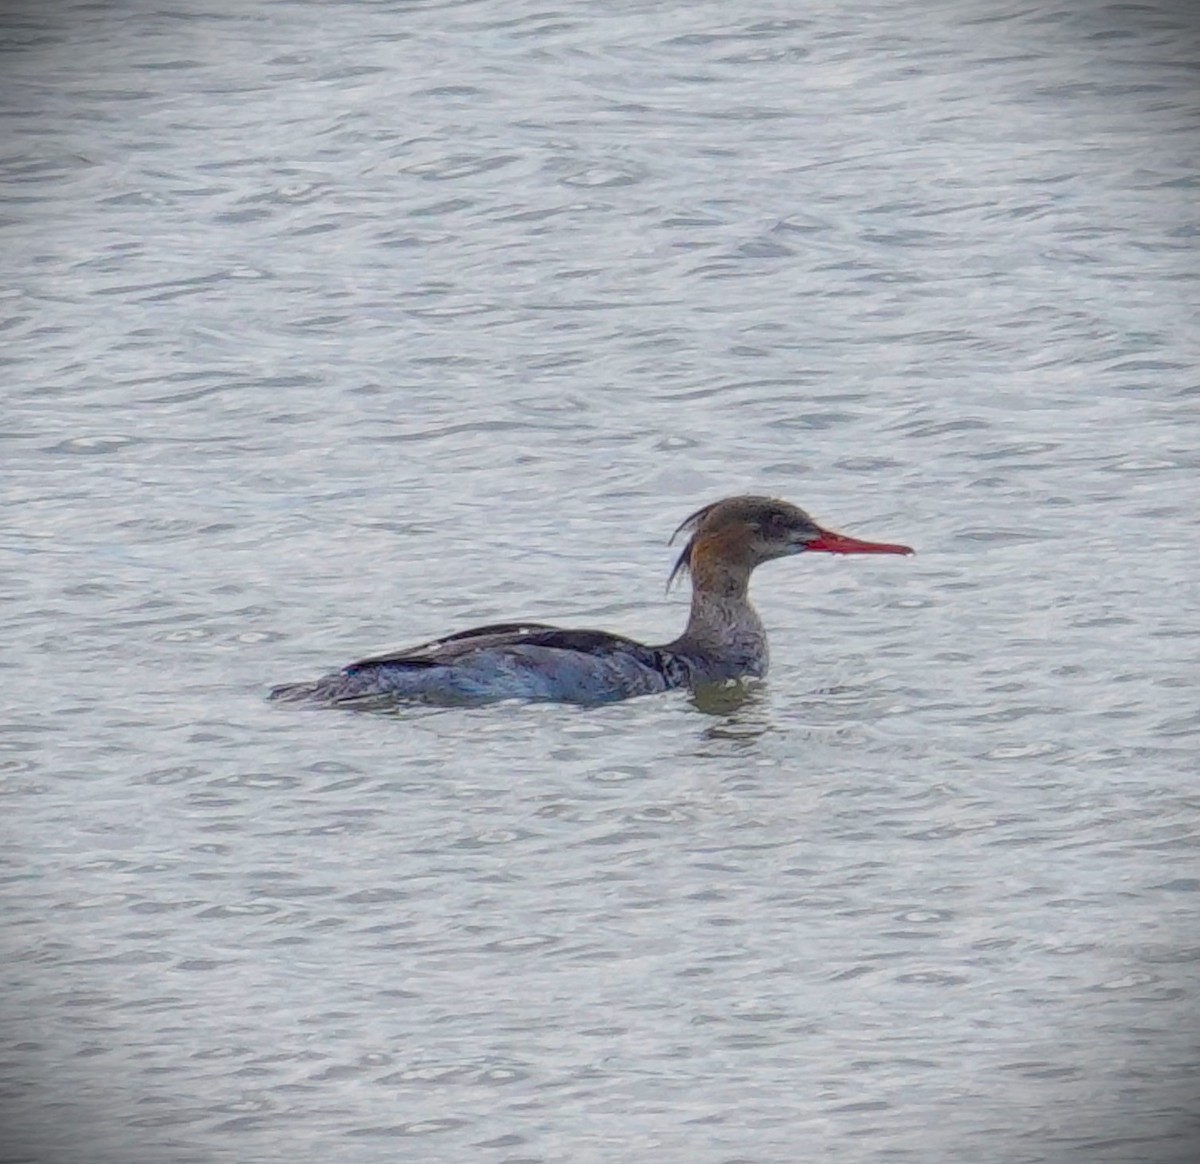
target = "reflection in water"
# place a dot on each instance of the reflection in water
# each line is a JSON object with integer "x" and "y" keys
{"x": 741, "y": 708}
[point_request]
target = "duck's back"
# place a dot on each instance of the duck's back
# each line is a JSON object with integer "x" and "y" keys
{"x": 531, "y": 661}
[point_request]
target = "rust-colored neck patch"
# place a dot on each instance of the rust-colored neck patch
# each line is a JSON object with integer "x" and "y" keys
{"x": 721, "y": 558}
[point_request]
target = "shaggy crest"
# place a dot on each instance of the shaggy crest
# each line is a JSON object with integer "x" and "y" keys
{"x": 736, "y": 508}
{"x": 691, "y": 524}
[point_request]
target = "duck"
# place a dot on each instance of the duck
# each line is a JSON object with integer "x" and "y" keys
{"x": 724, "y": 639}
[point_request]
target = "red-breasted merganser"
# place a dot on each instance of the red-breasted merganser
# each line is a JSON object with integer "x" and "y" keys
{"x": 724, "y": 638}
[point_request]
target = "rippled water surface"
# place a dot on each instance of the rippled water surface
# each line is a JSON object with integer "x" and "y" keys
{"x": 331, "y": 326}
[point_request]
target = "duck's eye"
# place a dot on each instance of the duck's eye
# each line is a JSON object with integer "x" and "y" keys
{"x": 775, "y": 522}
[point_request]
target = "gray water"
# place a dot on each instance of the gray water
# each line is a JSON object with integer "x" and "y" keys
{"x": 329, "y": 327}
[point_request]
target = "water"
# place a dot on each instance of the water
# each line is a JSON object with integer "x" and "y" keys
{"x": 335, "y": 326}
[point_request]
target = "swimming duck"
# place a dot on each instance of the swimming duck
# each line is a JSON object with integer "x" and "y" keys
{"x": 724, "y": 638}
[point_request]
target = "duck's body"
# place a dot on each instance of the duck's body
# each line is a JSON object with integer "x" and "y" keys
{"x": 507, "y": 661}
{"x": 724, "y": 638}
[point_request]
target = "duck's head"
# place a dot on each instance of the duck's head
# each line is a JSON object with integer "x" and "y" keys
{"x": 739, "y": 533}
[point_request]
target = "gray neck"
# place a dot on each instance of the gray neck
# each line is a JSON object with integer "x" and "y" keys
{"x": 724, "y": 637}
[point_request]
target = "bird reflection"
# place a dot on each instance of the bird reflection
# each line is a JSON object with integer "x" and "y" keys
{"x": 741, "y": 710}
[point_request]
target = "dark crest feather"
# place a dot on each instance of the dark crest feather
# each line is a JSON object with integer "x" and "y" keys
{"x": 691, "y": 523}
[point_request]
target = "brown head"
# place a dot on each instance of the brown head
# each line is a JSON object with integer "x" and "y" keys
{"x": 731, "y": 537}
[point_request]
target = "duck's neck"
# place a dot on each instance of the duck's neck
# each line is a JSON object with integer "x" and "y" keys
{"x": 724, "y": 635}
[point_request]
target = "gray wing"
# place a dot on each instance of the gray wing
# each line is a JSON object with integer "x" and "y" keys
{"x": 437, "y": 652}
{"x": 453, "y": 648}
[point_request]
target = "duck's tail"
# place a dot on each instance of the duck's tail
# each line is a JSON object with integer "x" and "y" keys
{"x": 294, "y": 692}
